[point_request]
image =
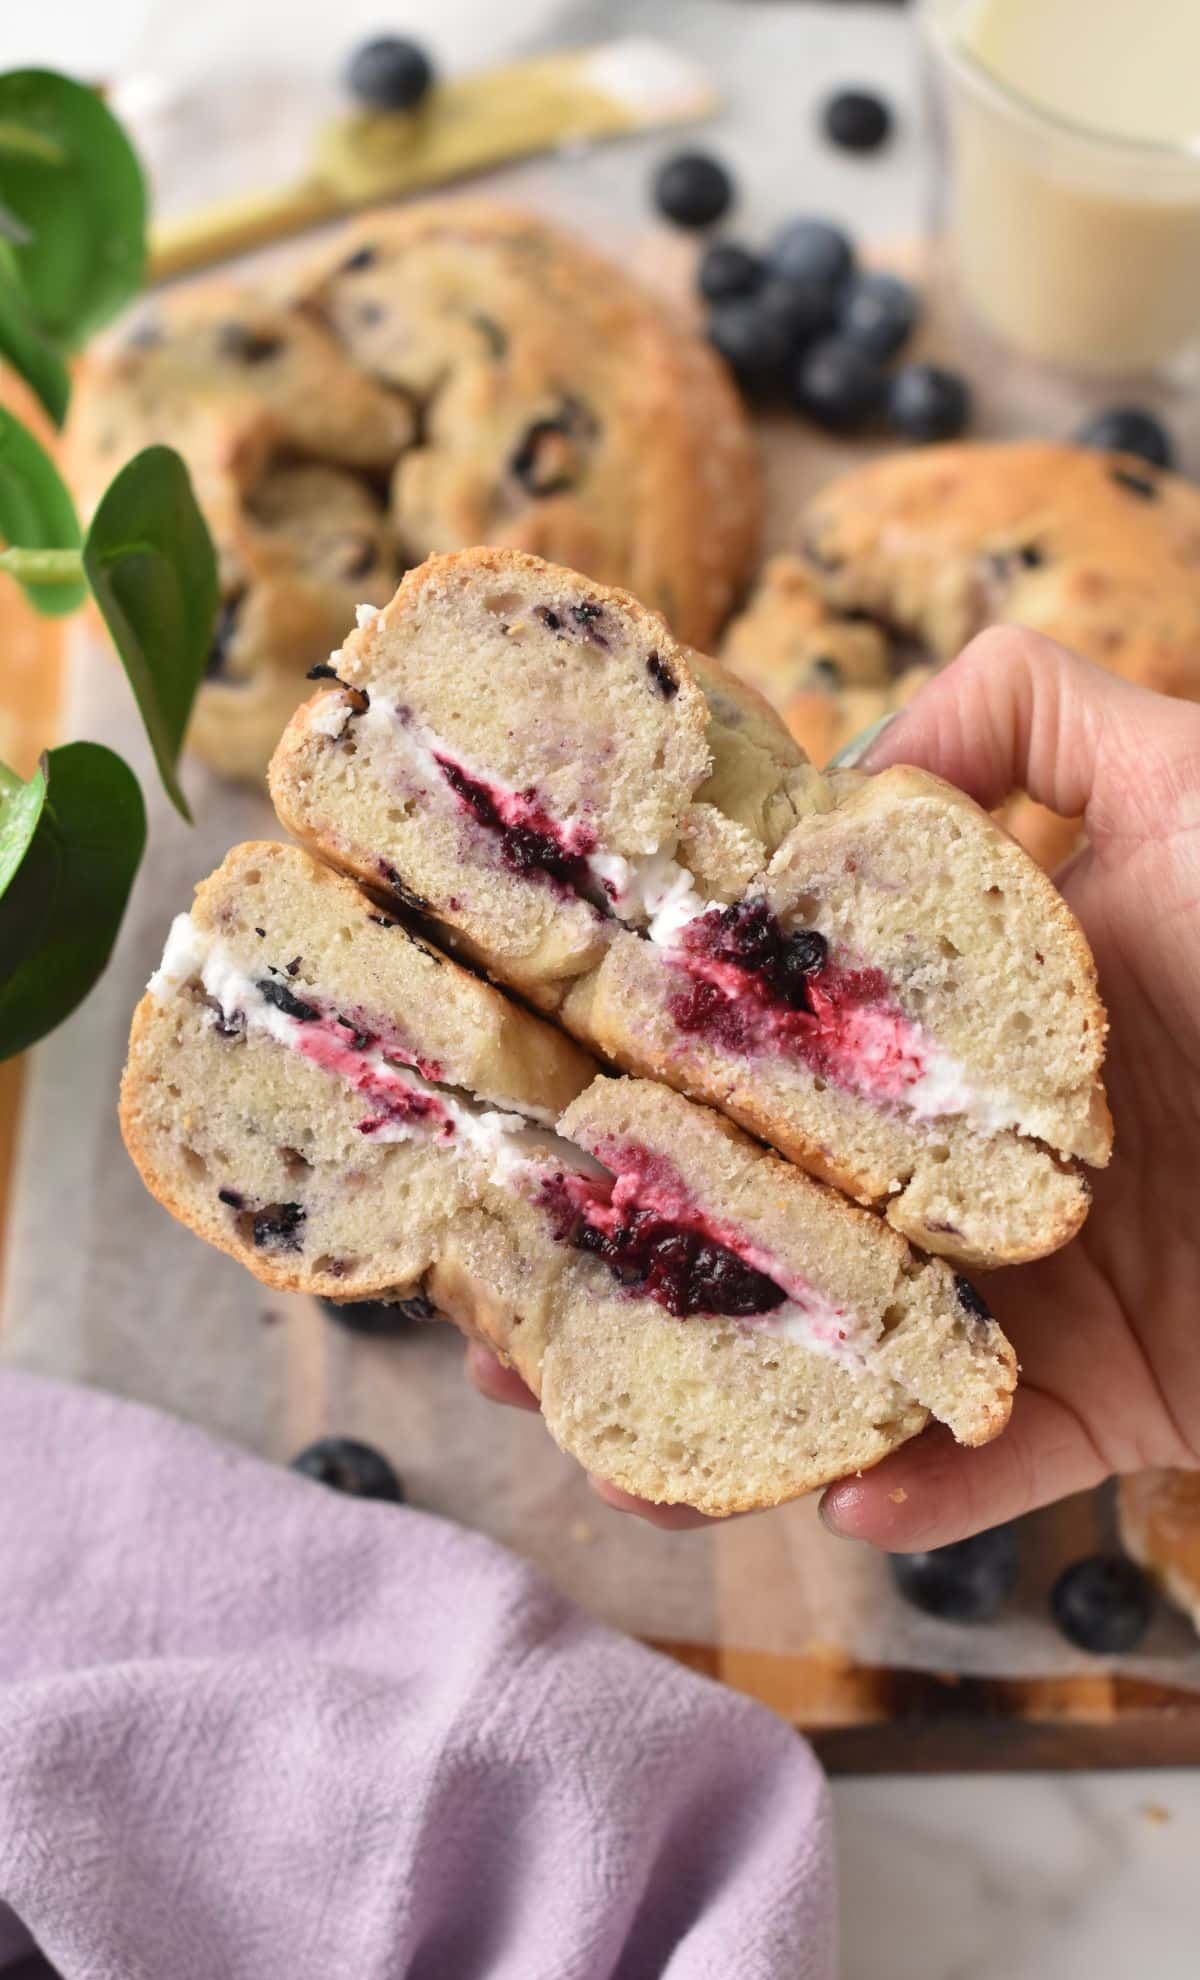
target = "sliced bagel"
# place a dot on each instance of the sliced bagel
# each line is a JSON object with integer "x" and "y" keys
{"x": 316, "y": 1092}
{"x": 868, "y": 973}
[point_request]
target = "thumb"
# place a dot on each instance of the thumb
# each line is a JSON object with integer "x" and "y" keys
{"x": 1017, "y": 711}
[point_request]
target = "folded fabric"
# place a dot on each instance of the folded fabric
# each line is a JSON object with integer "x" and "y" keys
{"x": 251, "y": 1728}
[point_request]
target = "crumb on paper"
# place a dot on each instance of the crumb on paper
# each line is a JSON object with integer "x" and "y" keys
{"x": 1153, "y": 1811}
{"x": 582, "y": 1532}
{"x": 268, "y": 1317}
{"x": 899, "y": 1497}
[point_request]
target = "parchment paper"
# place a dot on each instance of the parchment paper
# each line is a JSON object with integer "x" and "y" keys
{"x": 104, "y": 1288}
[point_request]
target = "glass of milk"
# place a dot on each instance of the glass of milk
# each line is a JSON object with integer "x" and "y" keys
{"x": 1074, "y": 174}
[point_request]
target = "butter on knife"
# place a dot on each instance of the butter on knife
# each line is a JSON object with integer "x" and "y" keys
{"x": 465, "y": 125}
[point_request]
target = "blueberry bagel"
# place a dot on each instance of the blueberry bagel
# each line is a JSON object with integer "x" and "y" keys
{"x": 447, "y": 374}
{"x": 289, "y": 448}
{"x": 866, "y": 973}
{"x": 899, "y": 563}
{"x": 351, "y": 1114}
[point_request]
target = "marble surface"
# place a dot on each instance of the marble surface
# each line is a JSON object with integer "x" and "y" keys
{"x": 1078, "y": 1877}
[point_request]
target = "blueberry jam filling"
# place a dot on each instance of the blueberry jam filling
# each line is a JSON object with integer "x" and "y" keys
{"x": 747, "y": 985}
{"x": 657, "y": 1257}
{"x": 530, "y": 842}
{"x": 748, "y": 936}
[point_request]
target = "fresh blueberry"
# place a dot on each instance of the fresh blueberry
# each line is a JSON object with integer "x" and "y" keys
{"x": 348, "y": 1466}
{"x": 728, "y": 269}
{"x": 389, "y": 73}
{"x": 812, "y": 251}
{"x": 966, "y": 1582}
{"x": 856, "y": 119}
{"x": 877, "y": 312}
{"x": 1129, "y": 430}
{"x": 693, "y": 189}
{"x": 838, "y": 385}
{"x": 755, "y": 347}
{"x": 1103, "y": 1604}
{"x": 928, "y": 403}
{"x": 379, "y": 1316}
{"x": 803, "y": 309}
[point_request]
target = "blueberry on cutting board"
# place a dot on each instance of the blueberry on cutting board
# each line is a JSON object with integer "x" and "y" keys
{"x": 856, "y": 120}
{"x": 877, "y": 311}
{"x": 752, "y": 343}
{"x": 839, "y": 386}
{"x": 345, "y": 1465}
{"x": 811, "y": 250}
{"x": 803, "y": 308}
{"x": 1103, "y": 1604}
{"x": 728, "y": 269}
{"x": 693, "y": 189}
{"x": 926, "y": 402}
{"x": 389, "y": 73}
{"x": 966, "y": 1582}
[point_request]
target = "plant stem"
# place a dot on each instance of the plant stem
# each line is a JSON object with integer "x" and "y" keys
{"x": 42, "y": 566}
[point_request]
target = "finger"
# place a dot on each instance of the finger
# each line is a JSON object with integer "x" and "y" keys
{"x": 672, "y": 1519}
{"x": 1017, "y": 711}
{"x": 934, "y": 1491}
{"x": 494, "y": 1380}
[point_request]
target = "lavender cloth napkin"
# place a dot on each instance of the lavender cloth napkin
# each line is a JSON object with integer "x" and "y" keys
{"x": 250, "y": 1728}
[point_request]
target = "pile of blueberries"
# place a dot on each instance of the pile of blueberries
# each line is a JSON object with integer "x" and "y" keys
{"x": 802, "y": 324}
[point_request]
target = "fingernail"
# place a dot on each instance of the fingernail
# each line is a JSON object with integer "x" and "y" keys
{"x": 851, "y": 753}
{"x": 827, "y": 1508}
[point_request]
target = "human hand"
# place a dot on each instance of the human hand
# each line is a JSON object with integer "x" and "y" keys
{"x": 1105, "y": 1330}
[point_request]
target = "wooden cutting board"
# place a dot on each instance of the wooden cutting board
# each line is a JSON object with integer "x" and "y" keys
{"x": 861, "y": 1719}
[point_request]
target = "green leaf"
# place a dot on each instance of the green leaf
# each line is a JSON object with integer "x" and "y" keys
{"x": 23, "y": 344}
{"x": 71, "y": 178}
{"x": 20, "y": 808}
{"x": 150, "y": 562}
{"x": 82, "y": 856}
{"x": 36, "y": 510}
{"x": 11, "y": 228}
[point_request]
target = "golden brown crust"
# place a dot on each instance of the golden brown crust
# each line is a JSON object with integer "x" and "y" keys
{"x": 1099, "y": 551}
{"x": 515, "y": 387}
{"x": 669, "y": 501}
